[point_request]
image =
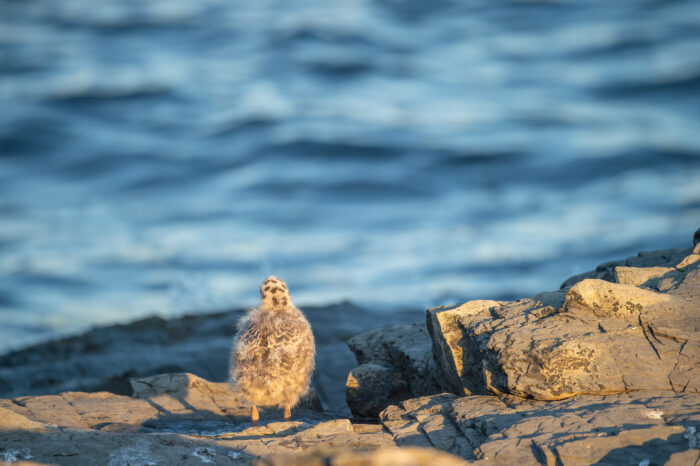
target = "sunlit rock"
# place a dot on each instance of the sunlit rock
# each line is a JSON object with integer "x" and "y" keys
{"x": 597, "y": 337}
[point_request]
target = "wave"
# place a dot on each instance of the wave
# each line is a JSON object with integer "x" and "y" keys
{"x": 355, "y": 150}
{"x": 687, "y": 83}
{"x": 97, "y": 93}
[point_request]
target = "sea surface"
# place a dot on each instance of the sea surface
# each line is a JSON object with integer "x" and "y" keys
{"x": 164, "y": 156}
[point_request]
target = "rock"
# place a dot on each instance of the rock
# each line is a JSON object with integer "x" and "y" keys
{"x": 410, "y": 456}
{"x": 172, "y": 419}
{"x": 366, "y": 428}
{"x": 446, "y": 335}
{"x": 696, "y": 237}
{"x": 638, "y": 276}
{"x": 688, "y": 260}
{"x": 605, "y": 299}
{"x": 684, "y": 458}
{"x": 163, "y": 388}
{"x": 403, "y": 348}
{"x": 425, "y": 421}
{"x": 90, "y": 447}
{"x": 660, "y": 279}
{"x": 395, "y": 364}
{"x": 106, "y": 359}
{"x": 460, "y": 348}
{"x": 371, "y": 387}
{"x": 616, "y": 429}
{"x": 596, "y": 338}
{"x": 14, "y": 421}
{"x": 668, "y": 258}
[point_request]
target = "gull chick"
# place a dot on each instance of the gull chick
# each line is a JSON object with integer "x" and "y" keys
{"x": 272, "y": 358}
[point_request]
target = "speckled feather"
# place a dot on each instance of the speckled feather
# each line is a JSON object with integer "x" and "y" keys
{"x": 272, "y": 358}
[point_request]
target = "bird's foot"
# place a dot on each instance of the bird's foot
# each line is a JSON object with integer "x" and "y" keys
{"x": 287, "y": 412}
{"x": 254, "y": 417}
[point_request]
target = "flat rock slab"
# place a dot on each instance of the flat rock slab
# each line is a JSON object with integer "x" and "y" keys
{"x": 71, "y": 446}
{"x": 656, "y": 427}
{"x": 171, "y": 419}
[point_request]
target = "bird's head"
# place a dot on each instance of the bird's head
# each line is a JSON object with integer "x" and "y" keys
{"x": 275, "y": 294}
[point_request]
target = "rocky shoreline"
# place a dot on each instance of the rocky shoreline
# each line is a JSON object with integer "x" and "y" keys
{"x": 106, "y": 359}
{"x": 605, "y": 370}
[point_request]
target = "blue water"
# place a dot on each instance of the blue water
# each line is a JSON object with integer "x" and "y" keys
{"x": 163, "y": 157}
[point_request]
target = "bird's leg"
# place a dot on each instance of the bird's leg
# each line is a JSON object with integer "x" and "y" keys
{"x": 287, "y": 411}
{"x": 254, "y": 415}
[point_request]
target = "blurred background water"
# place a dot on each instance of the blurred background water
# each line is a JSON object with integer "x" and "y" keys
{"x": 163, "y": 157}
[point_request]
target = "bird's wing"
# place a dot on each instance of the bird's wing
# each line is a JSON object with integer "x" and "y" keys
{"x": 250, "y": 335}
{"x": 294, "y": 346}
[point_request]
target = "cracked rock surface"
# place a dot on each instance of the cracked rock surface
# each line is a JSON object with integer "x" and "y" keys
{"x": 171, "y": 419}
{"x": 183, "y": 419}
{"x": 659, "y": 427}
{"x": 639, "y": 329}
{"x": 596, "y": 337}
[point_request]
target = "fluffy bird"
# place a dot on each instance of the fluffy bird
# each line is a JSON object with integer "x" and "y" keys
{"x": 272, "y": 358}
